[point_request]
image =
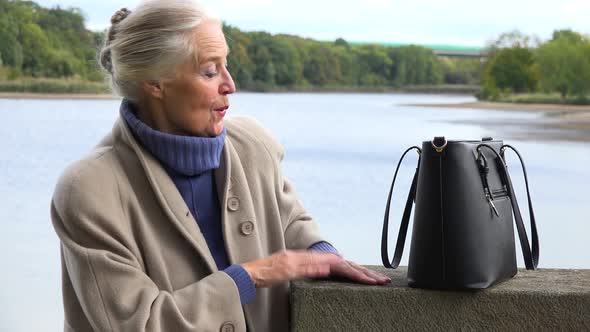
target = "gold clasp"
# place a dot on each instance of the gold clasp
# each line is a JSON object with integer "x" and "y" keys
{"x": 439, "y": 149}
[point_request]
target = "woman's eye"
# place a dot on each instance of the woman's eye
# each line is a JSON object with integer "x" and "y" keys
{"x": 209, "y": 71}
{"x": 210, "y": 74}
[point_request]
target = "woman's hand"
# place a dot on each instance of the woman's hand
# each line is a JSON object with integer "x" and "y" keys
{"x": 357, "y": 273}
{"x": 292, "y": 264}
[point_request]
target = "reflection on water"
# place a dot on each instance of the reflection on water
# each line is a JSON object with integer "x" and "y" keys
{"x": 340, "y": 153}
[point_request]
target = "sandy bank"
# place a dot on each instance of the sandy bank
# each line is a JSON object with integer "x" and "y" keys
{"x": 555, "y": 122}
{"x": 552, "y": 109}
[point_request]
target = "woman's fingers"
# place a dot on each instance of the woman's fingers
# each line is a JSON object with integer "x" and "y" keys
{"x": 360, "y": 274}
{"x": 373, "y": 274}
{"x": 315, "y": 264}
{"x": 289, "y": 264}
{"x": 316, "y": 258}
{"x": 348, "y": 271}
{"x": 316, "y": 271}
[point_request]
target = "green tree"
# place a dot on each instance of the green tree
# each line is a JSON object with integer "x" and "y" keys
{"x": 239, "y": 63}
{"x": 374, "y": 65}
{"x": 316, "y": 67}
{"x": 461, "y": 71}
{"x": 414, "y": 65}
{"x": 10, "y": 47}
{"x": 564, "y": 64}
{"x": 569, "y": 36}
{"x": 286, "y": 60}
{"x": 342, "y": 43}
{"x": 512, "y": 39}
{"x": 265, "y": 70}
{"x": 41, "y": 42}
{"x": 512, "y": 69}
{"x": 346, "y": 65}
{"x": 241, "y": 66}
{"x": 36, "y": 50}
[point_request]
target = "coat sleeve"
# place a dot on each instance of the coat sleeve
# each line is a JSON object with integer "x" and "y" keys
{"x": 109, "y": 281}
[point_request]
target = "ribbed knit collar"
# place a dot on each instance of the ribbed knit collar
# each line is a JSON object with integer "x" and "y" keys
{"x": 187, "y": 155}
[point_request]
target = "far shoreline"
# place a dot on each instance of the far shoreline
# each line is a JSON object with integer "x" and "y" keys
{"x": 549, "y": 109}
{"x": 570, "y": 122}
{"x": 552, "y": 109}
{"x": 565, "y": 122}
{"x": 463, "y": 90}
{"x": 49, "y": 96}
{"x": 560, "y": 110}
{"x": 106, "y": 96}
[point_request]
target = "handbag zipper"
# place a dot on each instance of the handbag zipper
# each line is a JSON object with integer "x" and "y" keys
{"x": 500, "y": 193}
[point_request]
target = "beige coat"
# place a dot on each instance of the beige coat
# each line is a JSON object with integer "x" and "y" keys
{"x": 133, "y": 257}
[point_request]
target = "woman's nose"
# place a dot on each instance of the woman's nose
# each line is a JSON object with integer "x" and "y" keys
{"x": 227, "y": 86}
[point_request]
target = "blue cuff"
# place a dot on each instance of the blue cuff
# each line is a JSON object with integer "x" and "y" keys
{"x": 325, "y": 247}
{"x": 243, "y": 281}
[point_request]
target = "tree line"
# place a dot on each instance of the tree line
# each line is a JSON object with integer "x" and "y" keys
{"x": 259, "y": 59}
{"x": 38, "y": 42}
{"x": 42, "y": 42}
{"x": 54, "y": 43}
{"x": 519, "y": 64}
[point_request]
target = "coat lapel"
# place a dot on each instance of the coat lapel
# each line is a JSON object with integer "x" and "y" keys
{"x": 222, "y": 179}
{"x": 168, "y": 196}
{"x": 231, "y": 183}
{"x": 224, "y": 183}
{"x": 233, "y": 187}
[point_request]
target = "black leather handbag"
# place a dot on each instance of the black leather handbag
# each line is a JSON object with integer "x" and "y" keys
{"x": 463, "y": 238}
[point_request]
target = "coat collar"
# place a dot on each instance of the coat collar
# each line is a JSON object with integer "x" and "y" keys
{"x": 231, "y": 183}
{"x": 167, "y": 194}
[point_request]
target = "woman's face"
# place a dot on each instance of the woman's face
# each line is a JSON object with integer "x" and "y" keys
{"x": 196, "y": 100}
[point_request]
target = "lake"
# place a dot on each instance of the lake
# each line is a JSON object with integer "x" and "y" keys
{"x": 341, "y": 151}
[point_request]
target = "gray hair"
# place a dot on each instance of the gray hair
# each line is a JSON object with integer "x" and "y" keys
{"x": 149, "y": 43}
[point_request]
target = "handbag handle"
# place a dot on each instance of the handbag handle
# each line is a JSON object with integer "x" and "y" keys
{"x": 531, "y": 257}
{"x": 403, "y": 228}
{"x": 533, "y": 262}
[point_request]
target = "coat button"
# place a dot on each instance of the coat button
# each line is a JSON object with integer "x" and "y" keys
{"x": 247, "y": 227}
{"x": 233, "y": 203}
{"x": 227, "y": 327}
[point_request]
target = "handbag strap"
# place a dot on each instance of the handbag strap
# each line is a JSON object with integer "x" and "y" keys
{"x": 403, "y": 228}
{"x": 533, "y": 260}
{"x": 531, "y": 257}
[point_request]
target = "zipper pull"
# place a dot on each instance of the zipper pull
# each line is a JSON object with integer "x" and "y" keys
{"x": 493, "y": 207}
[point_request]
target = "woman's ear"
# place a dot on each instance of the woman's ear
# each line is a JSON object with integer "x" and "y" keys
{"x": 153, "y": 89}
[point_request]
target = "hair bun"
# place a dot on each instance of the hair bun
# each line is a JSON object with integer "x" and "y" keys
{"x": 106, "y": 61}
{"x": 120, "y": 15}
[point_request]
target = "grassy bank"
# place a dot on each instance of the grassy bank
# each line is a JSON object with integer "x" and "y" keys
{"x": 58, "y": 86}
{"x": 71, "y": 86}
{"x": 442, "y": 89}
{"x": 80, "y": 87}
{"x": 541, "y": 98}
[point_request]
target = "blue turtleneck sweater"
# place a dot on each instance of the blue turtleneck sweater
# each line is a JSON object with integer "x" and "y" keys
{"x": 190, "y": 162}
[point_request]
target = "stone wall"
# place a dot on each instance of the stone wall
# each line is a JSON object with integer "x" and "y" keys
{"x": 541, "y": 300}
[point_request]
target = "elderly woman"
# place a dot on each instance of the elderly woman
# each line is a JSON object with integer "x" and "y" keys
{"x": 179, "y": 220}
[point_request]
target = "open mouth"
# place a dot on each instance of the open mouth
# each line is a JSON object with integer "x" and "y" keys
{"x": 222, "y": 110}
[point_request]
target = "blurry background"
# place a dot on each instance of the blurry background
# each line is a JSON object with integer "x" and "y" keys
{"x": 344, "y": 86}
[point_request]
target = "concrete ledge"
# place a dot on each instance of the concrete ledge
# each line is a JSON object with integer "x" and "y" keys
{"x": 546, "y": 299}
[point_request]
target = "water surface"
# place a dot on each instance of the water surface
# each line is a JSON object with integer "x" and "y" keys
{"x": 341, "y": 150}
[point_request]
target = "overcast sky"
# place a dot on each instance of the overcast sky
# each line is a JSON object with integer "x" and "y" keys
{"x": 459, "y": 22}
